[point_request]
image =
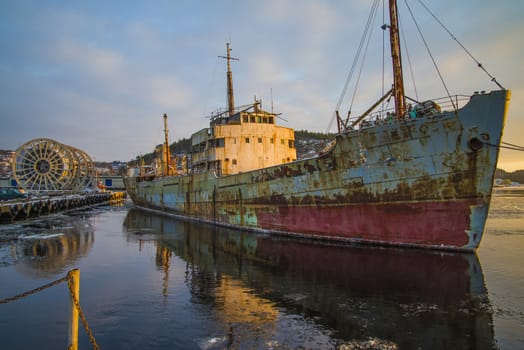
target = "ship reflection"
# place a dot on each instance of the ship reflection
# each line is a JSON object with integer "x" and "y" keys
{"x": 45, "y": 248}
{"x": 416, "y": 299}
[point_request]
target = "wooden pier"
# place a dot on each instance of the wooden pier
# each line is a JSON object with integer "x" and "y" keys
{"x": 33, "y": 207}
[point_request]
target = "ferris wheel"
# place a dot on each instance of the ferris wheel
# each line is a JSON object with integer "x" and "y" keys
{"x": 48, "y": 165}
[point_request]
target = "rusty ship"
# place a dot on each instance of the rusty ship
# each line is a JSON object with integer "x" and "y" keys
{"x": 416, "y": 176}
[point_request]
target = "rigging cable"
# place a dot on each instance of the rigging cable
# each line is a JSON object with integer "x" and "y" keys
{"x": 431, "y": 56}
{"x": 208, "y": 91}
{"x": 362, "y": 62}
{"x": 355, "y": 62}
{"x": 493, "y": 79}
{"x": 409, "y": 60}
{"x": 383, "y": 56}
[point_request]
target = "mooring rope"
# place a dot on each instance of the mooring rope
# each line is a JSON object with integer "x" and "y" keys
{"x": 505, "y": 145}
{"x": 515, "y": 147}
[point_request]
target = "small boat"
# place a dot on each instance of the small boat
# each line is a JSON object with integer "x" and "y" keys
{"x": 417, "y": 176}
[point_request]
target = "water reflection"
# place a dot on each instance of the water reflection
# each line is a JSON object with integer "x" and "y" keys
{"x": 257, "y": 284}
{"x": 44, "y": 248}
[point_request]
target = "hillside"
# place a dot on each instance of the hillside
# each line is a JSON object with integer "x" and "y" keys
{"x": 308, "y": 145}
{"x": 515, "y": 176}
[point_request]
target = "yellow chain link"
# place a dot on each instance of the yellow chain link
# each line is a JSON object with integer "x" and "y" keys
{"x": 32, "y": 291}
{"x": 73, "y": 297}
{"x": 81, "y": 313}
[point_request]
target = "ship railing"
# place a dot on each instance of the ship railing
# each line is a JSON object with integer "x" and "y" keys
{"x": 224, "y": 112}
{"x": 425, "y": 109}
{"x": 450, "y": 103}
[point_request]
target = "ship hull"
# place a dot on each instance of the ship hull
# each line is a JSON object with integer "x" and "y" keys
{"x": 423, "y": 182}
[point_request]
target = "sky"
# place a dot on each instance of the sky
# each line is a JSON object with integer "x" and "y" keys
{"x": 99, "y": 75}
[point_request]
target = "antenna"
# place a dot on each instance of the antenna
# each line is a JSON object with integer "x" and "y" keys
{"x": 230, "y": 98}
{"x": 271, "y": 95}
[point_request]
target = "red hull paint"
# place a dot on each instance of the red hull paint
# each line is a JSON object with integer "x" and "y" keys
{"x": 417, "y": 223}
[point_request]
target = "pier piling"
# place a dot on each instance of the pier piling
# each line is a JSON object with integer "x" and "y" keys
{"x": 33, "y": 207}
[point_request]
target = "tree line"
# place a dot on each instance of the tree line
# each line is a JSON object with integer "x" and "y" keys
{"x": 515, "y": 176}
{"x": 184, "y": 146}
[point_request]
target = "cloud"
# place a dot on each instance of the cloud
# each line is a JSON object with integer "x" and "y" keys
{"x": 168, "y": 93}
{"x": 97, "y": 62}
{"x": 99, "y": 75}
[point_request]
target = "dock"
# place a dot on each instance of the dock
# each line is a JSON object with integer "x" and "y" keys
{"x": 509, "y": 191}
{"x": 13, "y": 210}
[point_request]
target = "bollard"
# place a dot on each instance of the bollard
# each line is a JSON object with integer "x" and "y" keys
{"x": 74, "y": 282}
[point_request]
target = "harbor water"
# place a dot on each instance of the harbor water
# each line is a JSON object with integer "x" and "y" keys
{"x": 150, "y": 281}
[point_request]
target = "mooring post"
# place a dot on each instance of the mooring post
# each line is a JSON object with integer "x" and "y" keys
{"x": 74, "y": 282}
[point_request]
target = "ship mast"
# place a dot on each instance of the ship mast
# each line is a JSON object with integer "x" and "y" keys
{"x": 398, "y": 81}
{"x": 230, "y": 97}
{"x": 166, "y": 148}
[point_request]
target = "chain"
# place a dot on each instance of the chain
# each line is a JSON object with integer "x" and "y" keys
{"x": 81, "y": 313}
{"x": 73, "y": 297}
{"x": 33, "y": 291}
